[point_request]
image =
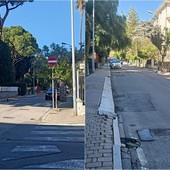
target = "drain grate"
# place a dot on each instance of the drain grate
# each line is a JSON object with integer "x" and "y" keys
{"x": 8, "y": 117}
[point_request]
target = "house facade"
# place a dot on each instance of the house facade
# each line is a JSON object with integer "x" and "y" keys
{"x": 162, "y": 16}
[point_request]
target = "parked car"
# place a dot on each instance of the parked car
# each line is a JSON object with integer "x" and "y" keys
{"x": 48, "y": 94}
{"x": 115, "y": 63}
{"x": 125, "y": 62}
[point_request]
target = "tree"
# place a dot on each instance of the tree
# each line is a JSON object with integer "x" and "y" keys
{"x": 80, "y": 4}
{"x": 45, "y": 51}
{"x": 20, "y": 41}
{"x": 158, "y": 39}
{"x": 111, "y": 34}
{"x": 63, "y": 72}
{"x": 63, "y": 68}
{"x": 132, "y": 23}
{"x": 6, "y": 67}
{"x": 22, "y": 67}
{"x": 9, "y": 6}
{"x": 146, "y": 49}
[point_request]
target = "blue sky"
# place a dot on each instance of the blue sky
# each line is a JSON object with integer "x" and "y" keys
{"x": 141, "y": 6}
{"x": 50, "y": 21}
{"x": 47, "y": 21}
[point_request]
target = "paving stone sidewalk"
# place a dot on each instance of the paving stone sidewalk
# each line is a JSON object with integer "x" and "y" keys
{"x": 98, "y": 129}
{"x": 64, "y": 115}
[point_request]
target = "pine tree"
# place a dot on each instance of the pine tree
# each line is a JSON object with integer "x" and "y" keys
{"x": 132, "y": 23}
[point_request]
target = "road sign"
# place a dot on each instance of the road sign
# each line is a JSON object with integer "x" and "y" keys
{"x": 52, "y": 61}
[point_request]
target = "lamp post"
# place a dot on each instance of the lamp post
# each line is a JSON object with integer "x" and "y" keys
{"x": 73, "y": 58}
{"x": 63, "y": 43}
{"x": 93, "y": 37}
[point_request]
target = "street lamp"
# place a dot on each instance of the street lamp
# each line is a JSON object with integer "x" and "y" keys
{"x": 73, "y": 58}
{"x": 63, "y": 43}
{"x": 93, "y": 38}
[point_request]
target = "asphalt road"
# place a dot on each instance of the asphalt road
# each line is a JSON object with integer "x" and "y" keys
{"x": 142, "y": 100}
{"x": 26, "y": 143}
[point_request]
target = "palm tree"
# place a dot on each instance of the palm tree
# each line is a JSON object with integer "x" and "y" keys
{"x": 80, "y": 4}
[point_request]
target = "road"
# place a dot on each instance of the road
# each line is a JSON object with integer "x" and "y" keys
{"x": 142, "y": 101}
{"x": 26, "y": 143}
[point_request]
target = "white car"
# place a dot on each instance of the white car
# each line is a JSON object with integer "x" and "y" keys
{"x": 125, "y": 62}
{"x": 115, "y": 63}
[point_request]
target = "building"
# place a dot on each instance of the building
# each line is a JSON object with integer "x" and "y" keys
{"x": 162, "y": 16}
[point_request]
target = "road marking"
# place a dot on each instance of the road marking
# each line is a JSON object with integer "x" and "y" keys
{"x": 57, "y": 132}
{"x": 58, "y": 127}
{"x": 36, "y": 148}
{"x": 76, "y": 164}
{"x": 37, "y": 104}
{"x": 56, "y": 139}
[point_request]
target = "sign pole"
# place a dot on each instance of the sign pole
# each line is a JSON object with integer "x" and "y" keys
{"x": 52, "y": 62}
{"x": 52, "y": 87}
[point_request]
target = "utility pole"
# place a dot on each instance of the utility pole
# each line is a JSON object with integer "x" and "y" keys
{"x": 93, "y": 38}
{"x": 73, "y": 58}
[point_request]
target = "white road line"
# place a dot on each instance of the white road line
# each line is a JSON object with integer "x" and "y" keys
{"x": 57, "y": 127}
{"x": 56, "y": 139}
{"x": 37, "y": 104}
{"x": 57, "y": 132}
{"x": 36, "y": 148}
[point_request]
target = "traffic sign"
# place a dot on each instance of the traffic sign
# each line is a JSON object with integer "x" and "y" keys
{"x": 52, "y": 61}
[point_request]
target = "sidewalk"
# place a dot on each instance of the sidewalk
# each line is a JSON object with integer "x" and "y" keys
{"x": 64, "y": 115}
{"x": 98, "y": 129}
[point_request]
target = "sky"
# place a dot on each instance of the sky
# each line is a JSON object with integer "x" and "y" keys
{"x": 50, "y": 21}
{"x": 141, "y": 6}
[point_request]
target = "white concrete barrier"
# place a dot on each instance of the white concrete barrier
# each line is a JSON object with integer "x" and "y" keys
{"x": 106, "y": 104}
{"x": 8, "y": 89}
{"x": 107, "y": 108}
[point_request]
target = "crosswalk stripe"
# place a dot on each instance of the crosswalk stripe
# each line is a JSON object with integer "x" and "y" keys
{"x": 58, "y": 128}
{"x": 57, "y": 132}
{"x": 37, "y": 104}
{"x": 56, "y": 139}
{"x": 36, "y": 148}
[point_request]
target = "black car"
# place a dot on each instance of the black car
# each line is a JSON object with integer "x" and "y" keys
{"x": 48, "y": 95}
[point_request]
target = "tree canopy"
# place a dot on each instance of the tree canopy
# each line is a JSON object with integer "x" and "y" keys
{"x": 6, "y": 67}
{"x": 21, "y": 42}
{"x": 8, "y": 6}
{"x": 132, "y": 23}
{"x": 110, "y": 30}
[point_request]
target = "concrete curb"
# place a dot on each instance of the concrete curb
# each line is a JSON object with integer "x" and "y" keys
{"x": 43, "y": 120}
{"x": 117, "y": 146}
